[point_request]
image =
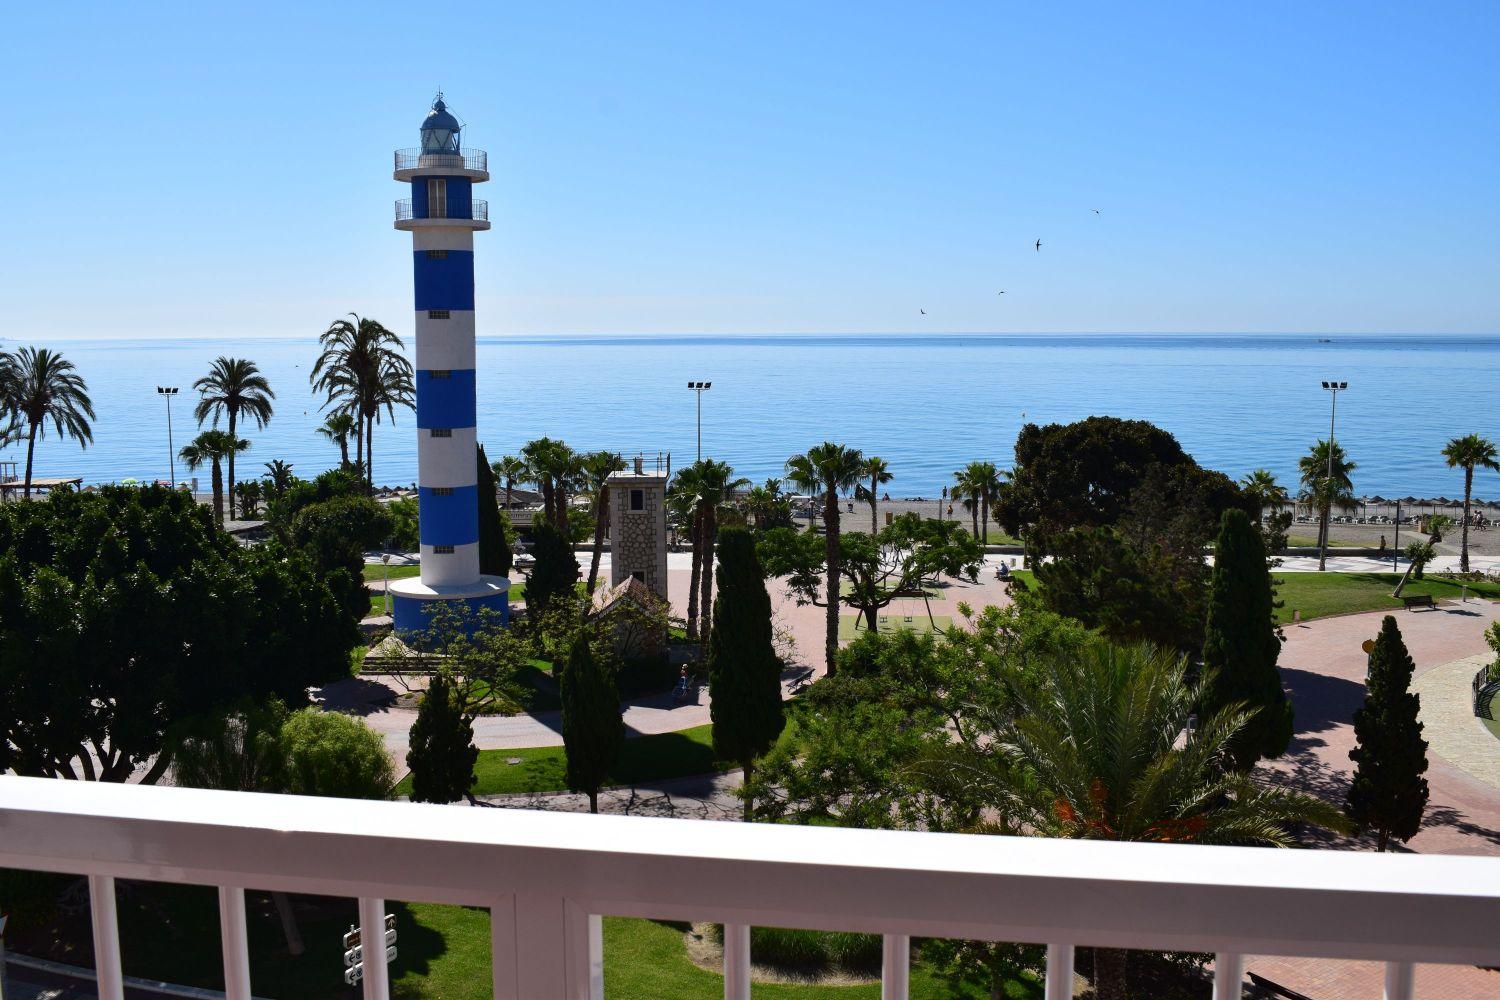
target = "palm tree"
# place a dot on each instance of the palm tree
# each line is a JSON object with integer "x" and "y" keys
{"x": 877, "y": 471}
{"x": 249, "y": 493}
{"x": 509, "y": 469}
{"x": 983, "y": 482}
{"x": 597, "y": 467}
{"x": 362, "y": 371}
{"x": 967, "y": 489}
{"x": 553, "y": 466}
{"x": 1261, "y": 487}
{"x": 1327, "y": 492}
{"x": 830, "y": 468}
{"x": 715, "y": 482}
{"x": 233, "y": 387}
{"x": 38, "y": 385}
{"x": 213, "y": 447}
{"x": 1468, "y": 453}
{"x": 279, "y": 477}
{"x": 338, "y": 428}
{"x": 1096, "y": 751}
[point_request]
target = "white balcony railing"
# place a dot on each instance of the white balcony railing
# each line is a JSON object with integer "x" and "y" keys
{"x": 547, "y": 878}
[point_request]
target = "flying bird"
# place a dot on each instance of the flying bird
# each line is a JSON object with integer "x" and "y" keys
{"x": 924, "y": 312}
{"x": 1096, "y": 211}
{"x": 1038, "y": 246}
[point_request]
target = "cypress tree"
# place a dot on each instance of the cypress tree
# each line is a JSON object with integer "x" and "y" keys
{"x": 592, "y": 728}
{"x": 555, "y": 573}
{"x": 1388, "y": 794}
{"x": 494, "y": 539}
{"x": 744, "y": 674}
{"x": 442, "y": 753}
{"x": 1241, "y": 645}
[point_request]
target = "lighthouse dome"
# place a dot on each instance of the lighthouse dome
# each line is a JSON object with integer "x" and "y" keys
{"x": 440, "y": 130}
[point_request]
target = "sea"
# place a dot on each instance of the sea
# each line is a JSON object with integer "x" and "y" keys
{"x": 927, "y": 403}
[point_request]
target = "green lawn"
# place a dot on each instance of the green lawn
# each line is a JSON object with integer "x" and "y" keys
{"x": 847, "y": 588}
{"x": 1319, "y": 594}
{"x": 1492, "y": 726}
{"x": 643, "y": 758}
{"x": 852, "y": 625}
{"x": 375, "y": 572}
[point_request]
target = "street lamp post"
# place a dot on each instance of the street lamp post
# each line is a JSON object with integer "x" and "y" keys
{"x": 385, "y": 559}
{"x": 1334, "y": 388}
{"x": 169, "y": 391}
{"x": 700, "y": 388}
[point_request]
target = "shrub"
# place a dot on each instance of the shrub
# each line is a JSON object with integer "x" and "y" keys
{"x": 337, "y": 756}
{"x": 812, "y": 950}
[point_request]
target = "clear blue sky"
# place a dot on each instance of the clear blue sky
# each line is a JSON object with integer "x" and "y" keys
{"x": 192, "y": 170}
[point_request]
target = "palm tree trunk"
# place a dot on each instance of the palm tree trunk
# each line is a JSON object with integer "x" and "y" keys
{"x": 370, "y": 456}
{"x": 874, "y": 525}
{"x": 30, "y": 450}
{"x": 692, "y": 613}
{"x": 601, "y": 521}
{"x": 344, "y": 452}
{"x": 510, "y": 485}
{"x": 831, "y": 557}
{"x": 1323, "y": 537}
{"x": 218, "y": 485}
{"x": 1463, "y": 558}
{"x": 232, "y": 439}
{"x": 1109, "y": 973}
{"x": 359, "y": 441}
{"x": 974, "y": 516}
{"x": 593, "y": 800}
{"x": 984, "y": 515}
{"x": 705, "y": 602}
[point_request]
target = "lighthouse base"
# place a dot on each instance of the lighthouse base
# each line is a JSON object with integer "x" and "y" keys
{"x": 485, "y": 601}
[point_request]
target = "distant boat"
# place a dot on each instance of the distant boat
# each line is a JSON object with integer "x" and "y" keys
{"x": 1324, "y": 340}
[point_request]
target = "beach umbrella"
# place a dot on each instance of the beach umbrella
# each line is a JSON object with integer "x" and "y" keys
{"x": 1377, "y": 498}
{"x": 130, "y": 481}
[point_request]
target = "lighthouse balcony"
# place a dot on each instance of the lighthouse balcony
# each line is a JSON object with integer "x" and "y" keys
{"x": 477, "y": 217}
{"x": 470, "y": 163}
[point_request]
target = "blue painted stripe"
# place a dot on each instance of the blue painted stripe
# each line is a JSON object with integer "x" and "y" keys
{"x": 450, "y": 519}
{"x": 444, "y": 282}
{"x": 413, "y": 615}
{"x": 446, "y": 402}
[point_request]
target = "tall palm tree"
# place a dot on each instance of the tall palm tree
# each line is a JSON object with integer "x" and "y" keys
{"x": 1096, "y": 751}
{"x": 279, "y": 477}
{"x": 1468, "y": 453}
{"x": 877, "y": 471}
{"x": 716, "y": 482}
{"x": 1260, "y": 485}
{"x": 983, "y": 481}
{"x": 682, "y": 505}
{"x": 1326, "y": 491}
{"x": 967, "y": 489}
{"x": 363, "y": 371}
{"x": 829, "y": 468}
{"x": 233, "y": 387}
{"x": 597, "y": 467}
{"x": 553, "y": 466}
{"x": 212, "y": 447}
{"x": 38, "y": 385}
{"x": 339, "y": 428}
{"x": 509, "y": 469}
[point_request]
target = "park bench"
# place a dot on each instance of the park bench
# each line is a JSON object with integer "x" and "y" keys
{"x": 1418, "y": 601}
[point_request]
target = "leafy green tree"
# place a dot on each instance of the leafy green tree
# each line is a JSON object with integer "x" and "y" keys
{"x": 829, "y": 469}
{"x": 124, "y": 613}
{"x": 278, "y": 477}
{"x": 592, "y": 728}
{"x": 406, "y": 533}
{"x": 238, "y": 751}
{"x": 335, "y": 533}
{"x": 495, "y": 540}
{"x": 555, "y": 572}
{"x": 744, "y": 672}
{"x": 233, "y": 388}
{"x": 1095, "y": 577}
{"x": 1326, "y": 478}
{"x": 1470, "y": 452}
{"x": 1242, "y": 645}
{"x": 1388, "y": 793}
{"x": 336, "y": 756}
{"x": 442, "y": 754}
{"x": 212, "y": 447}
{"x": 38, "y": 386}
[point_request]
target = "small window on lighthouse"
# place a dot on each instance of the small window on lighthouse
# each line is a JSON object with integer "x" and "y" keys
{"x": 441, "y": 432}
{"x": 441, "y": 373}
{"x": 437, "y": 314}
{"x": 437, "y": 255}
{"x": 437, "y": 198}
{"x": 442, "y": 491}
{"x": 442, "y": 550}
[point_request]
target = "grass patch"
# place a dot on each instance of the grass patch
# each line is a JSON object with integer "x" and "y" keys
{"x": 1320, "y": 594}
{"x": 853, "y": 625}
{"x": 376, "y": 572}
{"x": 1492, "y": 726}
{"x": 643, "y": 758}
{"x": 847, "y": 588}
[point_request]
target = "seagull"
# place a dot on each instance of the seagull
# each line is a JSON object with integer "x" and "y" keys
{"x": 1038, "y": 246}
{"x": 1002, "y": 291}
{"x": 1096, "y": 211}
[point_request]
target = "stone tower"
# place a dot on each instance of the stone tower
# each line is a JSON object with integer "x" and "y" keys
{"x": 638, "y": 526}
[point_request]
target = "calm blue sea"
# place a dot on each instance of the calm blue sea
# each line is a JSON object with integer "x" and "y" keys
{"x": 927, "y": 403}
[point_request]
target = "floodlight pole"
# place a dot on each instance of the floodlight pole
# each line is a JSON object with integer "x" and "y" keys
{"x": 169, "y": 391}
{"x": 700, "y": 388}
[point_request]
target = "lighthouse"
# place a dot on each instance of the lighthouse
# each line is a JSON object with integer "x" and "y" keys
{"x": 442, "y": 216}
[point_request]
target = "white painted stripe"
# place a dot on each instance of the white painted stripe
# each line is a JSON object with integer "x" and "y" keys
{"x": 446, "y": 343}
{"x": 449, "y": 461}
{"x": 442, "y": 238}
{"x": 461, "y": 566}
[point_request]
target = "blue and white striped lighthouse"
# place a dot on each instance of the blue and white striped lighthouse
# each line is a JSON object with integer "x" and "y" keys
{"x": 442, "y": 216}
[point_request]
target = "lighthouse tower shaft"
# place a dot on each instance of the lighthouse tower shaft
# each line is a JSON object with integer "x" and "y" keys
{"x": 442, "y": 215}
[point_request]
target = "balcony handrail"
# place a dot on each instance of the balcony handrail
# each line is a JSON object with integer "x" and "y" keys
{"x": 464, "y": 159}
{"x": 479, "y": 209}
{"x": 547, "y": 877}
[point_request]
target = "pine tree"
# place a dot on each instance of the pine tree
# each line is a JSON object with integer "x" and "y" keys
{"x": 744, "y": 674}
{"x": 442, "y": 753}
{"x": 494, "y": 540}
{"x": 555, "y": 573}
{"x": 1388, "y": 794}
{"x": 1241, "y": 645}
{"x": 592, "y": 728}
